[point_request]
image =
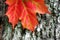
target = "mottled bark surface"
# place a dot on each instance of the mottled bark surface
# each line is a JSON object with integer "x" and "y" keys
{"x": 49, "y": 28}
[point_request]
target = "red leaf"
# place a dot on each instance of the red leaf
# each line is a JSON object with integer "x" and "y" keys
{"x": 25, "y": 10}
{"x": 29, "y": 20}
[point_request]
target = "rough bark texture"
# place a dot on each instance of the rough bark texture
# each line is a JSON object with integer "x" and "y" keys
{"x": 49, "y": 28}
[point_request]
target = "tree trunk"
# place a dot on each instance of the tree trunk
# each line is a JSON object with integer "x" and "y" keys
{"x": 48, "y": 29}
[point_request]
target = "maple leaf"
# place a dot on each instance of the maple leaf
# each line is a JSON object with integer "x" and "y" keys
{"x": 25, "y": 10}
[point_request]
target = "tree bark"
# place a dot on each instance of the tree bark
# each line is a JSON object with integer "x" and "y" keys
{"x": 48, "y": 29}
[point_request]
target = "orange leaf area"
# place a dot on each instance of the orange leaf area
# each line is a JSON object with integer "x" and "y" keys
{"x": 25, "y": 10}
